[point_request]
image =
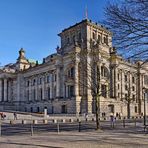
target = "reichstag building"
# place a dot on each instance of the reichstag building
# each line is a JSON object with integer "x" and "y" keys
{"x": 66, "y": 82}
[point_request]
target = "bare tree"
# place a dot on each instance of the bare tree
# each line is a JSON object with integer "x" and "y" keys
{"x": 129, "y": 99}
{"x": 90, "y": 76}
{"x": 128, "y": 20}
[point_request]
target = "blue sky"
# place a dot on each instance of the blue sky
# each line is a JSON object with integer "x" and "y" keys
{"x": 34, "y": 24}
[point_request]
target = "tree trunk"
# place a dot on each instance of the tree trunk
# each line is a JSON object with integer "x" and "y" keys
{"x": 128, "y": 110}
{"x": 97, "y": 112}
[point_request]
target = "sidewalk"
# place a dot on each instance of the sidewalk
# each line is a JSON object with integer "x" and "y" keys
{"x": 95, "y": 139}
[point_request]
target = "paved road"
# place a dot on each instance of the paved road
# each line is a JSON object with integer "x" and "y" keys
{"x": 46, "y": 135}
{"x": 73, "y": 139}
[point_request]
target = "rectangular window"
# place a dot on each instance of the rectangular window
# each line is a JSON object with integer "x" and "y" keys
{"x": 70, "y": 91}
{"x": 133, "y": 88}
{"x": 48, "y": 79}
{"x": 126, "y": 97}
{"x": 64, "y": 109}
{"x": 104, "y": 91}
{"x": 99, "y": 38}
{"x": 118, "y": 76}
{"x": 118, "y": 95}
{"x": 118, "y": 86}
{"x": 94, "y": 35}
{"x": 133, "y": 97}
{"x": 71, "y": 73}
{"x": 126, "y": 88}
{"x": 40, "y": 81}
{"x": 34, "y": 94}
{"x": 49, "y": 93}
{"x": 125, "y": 78}
{"x": 28, "y": 95}
{"x": 136, "y": 110}
{"x": 34, "y": 81}
{"x": 133, "y": 79}
{"x": 41, "y": 93}
{"x": 106, "y": 40}
{"x": 28, "y": 83}
{"x": 146, "y": 79}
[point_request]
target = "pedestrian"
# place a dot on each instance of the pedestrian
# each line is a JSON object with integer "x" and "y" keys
{"x": 15, "y": 116}
{"x": 112, "y": 120}
{"x": 86, "y": 116}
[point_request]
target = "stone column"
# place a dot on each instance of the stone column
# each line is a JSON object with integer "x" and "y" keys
{"x": 115, "y": 82}
{"x": 122, "y": 86}
{"x": 89, "y": 95}
{"x": 5, "y": 90}
{"x": 36, "y": 90}
{"x": 58, "y": 82}
{"x": 76, "y": 89}
{"x": 76, "y": 80}
{"x": 67, "y": 91}
{"x": 9, "y": 90}
{"x": 43, "y": 89}
{"x": 51, "y": 87}
{"x": 29, "y": 91}
{"x": 0, "y": 90}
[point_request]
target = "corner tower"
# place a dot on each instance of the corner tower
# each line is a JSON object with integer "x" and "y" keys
{"x": 22, "y": 63}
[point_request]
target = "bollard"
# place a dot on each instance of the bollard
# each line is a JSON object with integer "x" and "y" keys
{"x": 71, "y": 120}
{"x": 124, "y": 122}
{"x": 54, "y": 121}
{"x": 24, "y": 121}
{"x": 35, "y": 121}
{"x": 45, "y": 121}
{"x": 31, "y": 127}
{"x": 79, "y": 126}
{"x": 135, "y": 122}
{"x": 11, "y": 121}
{"x": 63, "y": 120}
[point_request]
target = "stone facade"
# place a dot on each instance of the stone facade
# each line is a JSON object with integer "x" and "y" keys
{"x": 63, "y": 84}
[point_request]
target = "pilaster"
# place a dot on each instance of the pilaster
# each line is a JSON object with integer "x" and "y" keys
{"x": 0, "y": 90}
{"x": 51, "y": 88}
{"x": 58, "y": 81}
{"x": 5, "y": 89}
{"x": 43, "y": 89}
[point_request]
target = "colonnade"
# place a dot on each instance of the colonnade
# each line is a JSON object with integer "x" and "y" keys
{"x": 4, "y": 90}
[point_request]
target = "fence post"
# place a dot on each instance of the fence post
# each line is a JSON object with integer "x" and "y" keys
{"x": 58, "y": 127}
{"x": 124, "y": 122}
{"x": 135, "y": 121}
{"x": 31, "y": 126}
{"x": 79, "y": 126}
